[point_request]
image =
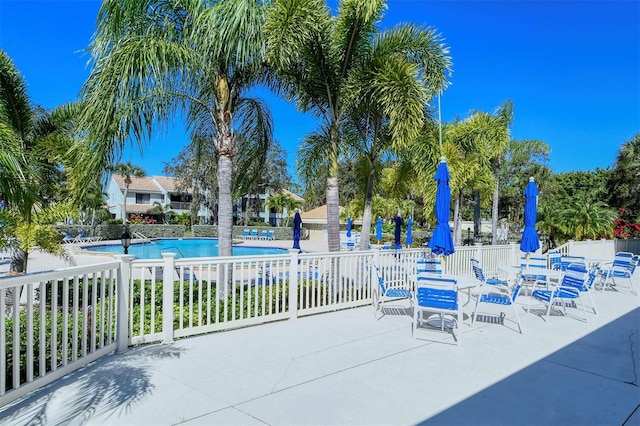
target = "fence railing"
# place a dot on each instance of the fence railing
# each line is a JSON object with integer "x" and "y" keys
{"x": 55, "y": 322}
{"x": 589, "y": 249}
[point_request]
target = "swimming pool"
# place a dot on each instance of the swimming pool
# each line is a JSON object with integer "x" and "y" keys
{"x": 183, "y": 247}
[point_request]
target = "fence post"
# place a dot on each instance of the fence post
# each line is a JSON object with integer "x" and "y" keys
{"x": 515, "y": 259}
{"x": 167, "y": 296}
{"x": 293, "y": 284}
{"x": 122, "y": 317}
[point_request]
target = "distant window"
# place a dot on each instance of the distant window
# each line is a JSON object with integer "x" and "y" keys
{"x": 143, "y": 198}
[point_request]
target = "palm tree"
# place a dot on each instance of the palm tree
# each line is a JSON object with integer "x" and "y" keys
{"x": 27, "y": 137}
{"x": 128, "y": 171}
{"x": 329, "y": 64}
{"x": 277, "y": 202}
{"x": 155, "y": 59}
{"x": 624, "y": 183}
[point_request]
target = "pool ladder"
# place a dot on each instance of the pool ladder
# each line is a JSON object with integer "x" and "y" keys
{"x": 176, "y": 249}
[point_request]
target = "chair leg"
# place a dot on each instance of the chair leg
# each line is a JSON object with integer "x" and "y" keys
{"x": 515, "y": 309}
{"x": 550, "y": 305}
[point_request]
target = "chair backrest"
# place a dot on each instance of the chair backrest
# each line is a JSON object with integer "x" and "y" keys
{"x": 81, "y": 233}
{"x": 270, "y": 233}
{"x": 575, "y": 276}
{"x": 254, "y": 232}
{"x": 594, "y": 272}
{"x": 435, "y": 291}
{"x": 246, "y": 233}
{"x": 376, "y": 270}
{"x": 533, "y": 262}
{"x": 477, "y": 270}
{"x": 623, "y": 260}
{"x": 566, "y": 260}
{"x": 554, "y": 259}
{"x": 431, "y": 265}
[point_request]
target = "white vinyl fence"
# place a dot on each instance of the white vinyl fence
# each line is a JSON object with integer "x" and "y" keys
{"x": 67, "y": 318}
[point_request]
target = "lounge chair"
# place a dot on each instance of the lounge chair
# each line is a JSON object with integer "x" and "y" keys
{"x": 253, "y": 235}
{"x": 270, "y": 234}
{"x": 69, "y": 239}
{"x": 246, "y": 234}
{"x": 85, "y": 239}
{"x": 263, "y": 235}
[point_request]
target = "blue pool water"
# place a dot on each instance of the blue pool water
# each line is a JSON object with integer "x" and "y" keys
{"x": 188, "y": 247}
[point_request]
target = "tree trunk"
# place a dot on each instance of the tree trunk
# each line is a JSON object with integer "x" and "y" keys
{"x": 124, "y": 213}
{"x": 457, "y": 225}
{"x": 333, "y": 200}
{"x": 494, "y": 211}
{"x": 476, "y": 214}
{"x": 366, "y": 217}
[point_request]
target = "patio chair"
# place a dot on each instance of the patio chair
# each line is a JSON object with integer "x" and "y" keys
{"x": 554, "y": 259}
{"x": 501, "y": 294}
{"x": 262, "y": 235}
{"x": 439, "y": 296}
{"x": 388, "y": 290}
{"x": 573, "y": 283}
{"x": 623, "y": 267}
{"x": 270, "y": 234}
{"x": 566, "y": 260}
{"x": 253, "y": 235}
{"x": 488, "y": 278}
{"x": 431, "y": 265}
{"x": 245, "y": 234}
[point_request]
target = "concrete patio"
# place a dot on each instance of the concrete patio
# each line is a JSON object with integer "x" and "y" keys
{"x": 347, "y": 368}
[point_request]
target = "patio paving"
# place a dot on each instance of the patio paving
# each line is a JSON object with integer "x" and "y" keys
{"x": 346, "y": 368}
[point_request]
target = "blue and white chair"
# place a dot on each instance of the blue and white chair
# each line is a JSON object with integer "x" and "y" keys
{"x": 253, "y": 235}
{"x": 270, "y": 235}
{"x": 500, "y": 294}
{"x": 388, "y": 290}
{"x": 480, "y": 275}
{"x": 573, "y": 284}
{"x": 439, "y": 296}
{"x": 555, "y": 260}
{"x": 431, "y": 265}
{"x": 622, "y": 268}
{"x": 566, "y": 260}
{"x": 245, "y": 234}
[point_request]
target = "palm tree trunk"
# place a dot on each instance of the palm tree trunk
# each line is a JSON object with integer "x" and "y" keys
{"x": 124, "y": 213}
{"x": 333, "y": 200}
{"x": 225, "y": 208}
{"x": 494, "y": 210}
{"x": 457, "y": 226}
{"x": 366, "y": 216}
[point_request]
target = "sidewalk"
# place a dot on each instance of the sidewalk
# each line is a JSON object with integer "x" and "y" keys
{"x": 347, "y": 368}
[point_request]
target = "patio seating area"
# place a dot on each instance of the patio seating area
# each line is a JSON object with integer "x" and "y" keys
{"x": 347, "y": 367}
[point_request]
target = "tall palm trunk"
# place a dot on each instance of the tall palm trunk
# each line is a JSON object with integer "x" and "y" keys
{"x": 124, "y": 213}
{"x": 494, "y": 207}
{"x": 457, "y": 220}
{"x": 366, "y": 216}
{"x": 333, "y": 200}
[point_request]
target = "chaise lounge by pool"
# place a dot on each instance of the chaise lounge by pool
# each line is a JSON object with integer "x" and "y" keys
{"x": 183, "y": 247}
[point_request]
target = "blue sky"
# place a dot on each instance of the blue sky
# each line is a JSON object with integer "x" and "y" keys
{"x": 571, "y": 68}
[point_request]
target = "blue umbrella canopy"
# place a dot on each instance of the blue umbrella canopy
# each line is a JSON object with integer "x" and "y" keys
{"x": 441, "y": 242}
{"x": 297, "y": 223}
{"x": 349, "y": 227}
{"x": 409, "y": 230}
{"x": 398, "y": 232}
{"x": 379, "y": 229}
{"x": 530, "y": 242}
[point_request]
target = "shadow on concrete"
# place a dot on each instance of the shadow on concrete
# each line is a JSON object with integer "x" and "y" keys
{"x": 593, "y": 381}
{"x": 110, "y": 384}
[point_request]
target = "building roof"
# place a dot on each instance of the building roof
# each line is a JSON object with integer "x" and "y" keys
{"x": 143, "y": 184}
{"x": 317, "y": 215}
{"x": 137, "y": 208}
{"x": 294, "y": 196}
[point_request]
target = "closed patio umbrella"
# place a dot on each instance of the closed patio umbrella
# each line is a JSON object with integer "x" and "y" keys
{"x": 530, "y": 242}
{"x": 409, "y": 239}
{"x": 349, "y": 227}
{"x": 379, "y": 229}
{"x": 441, "y": 242}
{"x": 398, "y": 232}
{"x": 297, "y": 223}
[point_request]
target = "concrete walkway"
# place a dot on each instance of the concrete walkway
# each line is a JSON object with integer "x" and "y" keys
{"x": 347, "y": 368}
